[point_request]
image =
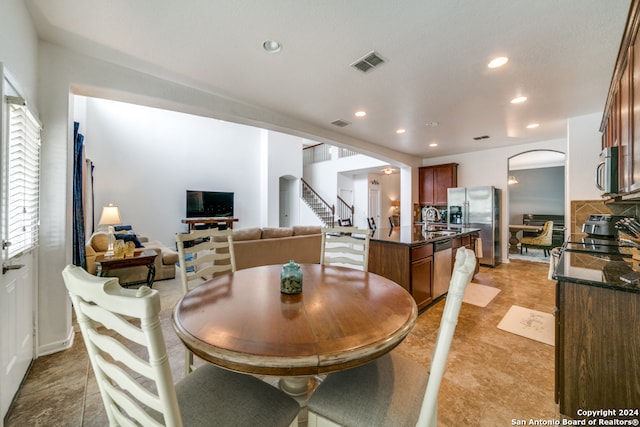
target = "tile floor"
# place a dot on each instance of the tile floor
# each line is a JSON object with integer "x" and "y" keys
{"x": 492, "y": 376}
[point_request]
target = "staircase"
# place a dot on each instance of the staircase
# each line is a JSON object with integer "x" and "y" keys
{"x": 322, "y": 209}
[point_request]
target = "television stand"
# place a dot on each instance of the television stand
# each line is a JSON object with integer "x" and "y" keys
{"x": 192, "y": 222}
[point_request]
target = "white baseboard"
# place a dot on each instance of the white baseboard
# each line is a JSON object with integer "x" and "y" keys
{"x": 55, "y": 347}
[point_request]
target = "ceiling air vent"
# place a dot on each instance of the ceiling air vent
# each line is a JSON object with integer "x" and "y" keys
{"x": 370, "y": 61}
{"x": 340, "y": 123}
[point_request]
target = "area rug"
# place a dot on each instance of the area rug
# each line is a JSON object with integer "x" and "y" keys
{"x": 532, "y": 256}
{"x": 479, "y": 295}
{"x": 528, "y": 323}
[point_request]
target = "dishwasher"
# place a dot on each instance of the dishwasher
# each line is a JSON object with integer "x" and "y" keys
{"x": 441, "y": 267}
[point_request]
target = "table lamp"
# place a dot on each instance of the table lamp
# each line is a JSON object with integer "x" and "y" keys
{"x": 396, "y": 206}
{"x": 110, "y": 216}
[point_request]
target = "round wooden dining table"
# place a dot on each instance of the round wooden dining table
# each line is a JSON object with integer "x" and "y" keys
{"x": 341, "y": 319}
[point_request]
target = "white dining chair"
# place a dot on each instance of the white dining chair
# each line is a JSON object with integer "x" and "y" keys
{"x": 203, "y": 254}
{"x": 386, "y": 392}
{"x": 345, "y": 246}
{"x": 122, "y": 333}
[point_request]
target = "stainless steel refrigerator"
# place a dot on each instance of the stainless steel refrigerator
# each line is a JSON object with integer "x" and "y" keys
{"x": 478, "y": 207}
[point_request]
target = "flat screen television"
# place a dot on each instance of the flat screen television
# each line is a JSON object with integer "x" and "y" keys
{"x": 204, "y": 204}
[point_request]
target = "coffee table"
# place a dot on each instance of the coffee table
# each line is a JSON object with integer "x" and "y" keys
{"x": 145, "y": 258}
{"x": 343, "y": 318}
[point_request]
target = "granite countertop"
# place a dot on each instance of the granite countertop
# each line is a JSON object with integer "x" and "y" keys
{"x": 415, "y": 234}
{"x": 592, "y": 269}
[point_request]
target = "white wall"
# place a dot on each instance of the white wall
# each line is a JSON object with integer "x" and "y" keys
{"x": 146, "y": 158}
{"x": 19, "y": 47}
{"x": 584, "y": 143}
{"x": 284, "y": 159}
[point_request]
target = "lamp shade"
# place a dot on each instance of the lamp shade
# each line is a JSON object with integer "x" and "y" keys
{"x": 110, "y": 215}
{"x": 395, "y": 203}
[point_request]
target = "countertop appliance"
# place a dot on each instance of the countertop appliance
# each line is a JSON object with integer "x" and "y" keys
{"x": 601, "y": 225}
{"x": 480, "y": 208}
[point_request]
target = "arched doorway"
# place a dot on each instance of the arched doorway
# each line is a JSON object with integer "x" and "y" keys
{"x": 536, "y": 193}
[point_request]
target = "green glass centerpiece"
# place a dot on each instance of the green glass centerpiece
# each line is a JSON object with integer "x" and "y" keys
{"x": 291, "y": 278}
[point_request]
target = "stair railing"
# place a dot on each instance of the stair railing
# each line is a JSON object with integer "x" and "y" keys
{"x": 345, "y": 210}
{"x": 330, "y": 208}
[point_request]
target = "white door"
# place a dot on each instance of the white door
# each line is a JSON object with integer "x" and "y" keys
{"x": 17, "y": 285}
{"x": 16, "y": 318}
{"x": 285, "y": 203}
{"x": 374, "y": 207}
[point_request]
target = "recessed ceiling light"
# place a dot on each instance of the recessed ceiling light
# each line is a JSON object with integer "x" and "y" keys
{"x": 532, "y": 126}
{"x": 432, "y": 124}
{"x": 271, "y": 46}
{"x": 360, "y": 113}
{"x": 400, "y": 131}
{"x": 433, "y": 144}
{"x": 498, "y": 62}
{"x": 518, "y": 99}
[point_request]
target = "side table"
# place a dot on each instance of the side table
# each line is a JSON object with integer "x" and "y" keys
{"x": 146, "y": 258}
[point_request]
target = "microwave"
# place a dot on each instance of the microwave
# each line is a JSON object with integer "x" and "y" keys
{"x": 606, "y": 178}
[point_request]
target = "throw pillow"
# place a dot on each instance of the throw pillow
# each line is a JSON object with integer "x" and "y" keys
{"x": 252, "y": 233}
{"x": 100, "y": 242}
{"x": 129, "y": 238}
{"x": 303, "y": 230}
{"x": 276, "y": 232}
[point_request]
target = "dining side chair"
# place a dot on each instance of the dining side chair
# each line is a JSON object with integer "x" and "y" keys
{"x": 345, "y": 222}
{"x": 123, "y": 336}
{"x": 345, "y": 246}
{"x": 372, "y": 223}
{"x": 544, "y": 240}
{"x": 203, "y": 254}
{"x": 386, "y": 391}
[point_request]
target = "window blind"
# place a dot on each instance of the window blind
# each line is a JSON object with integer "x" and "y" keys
{"x": 22, "y": 190}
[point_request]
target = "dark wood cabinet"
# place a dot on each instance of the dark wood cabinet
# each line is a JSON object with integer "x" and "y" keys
{"x": 434, "y": 181}
{"x": 620, "y": 125}
{"x": 597, "y": 349}
{"x": 411, "y": 266}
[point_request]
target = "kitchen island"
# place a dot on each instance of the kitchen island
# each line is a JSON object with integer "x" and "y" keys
{"x": 597, "y": 339}
{"x": 419, "y": 260}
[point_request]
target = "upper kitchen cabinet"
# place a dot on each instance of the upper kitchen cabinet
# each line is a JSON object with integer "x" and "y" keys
{"x": 620, "y": 125}
{"x": 434, "y": 181}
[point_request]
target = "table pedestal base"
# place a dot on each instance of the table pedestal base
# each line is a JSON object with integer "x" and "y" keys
{"x": 298, "y": 386}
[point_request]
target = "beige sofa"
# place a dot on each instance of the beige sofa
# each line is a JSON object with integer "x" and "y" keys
{"x": 276, "y": 245}
{"x": 165, "y": 261}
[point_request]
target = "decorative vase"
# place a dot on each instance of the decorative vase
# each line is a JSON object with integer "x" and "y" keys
{"x": 291, "y": 278}
{"x": 129, "y": 249}
{"x": 118, "y": 249}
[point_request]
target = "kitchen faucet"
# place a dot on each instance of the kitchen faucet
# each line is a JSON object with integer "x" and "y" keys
{"x": 430, "y": 214}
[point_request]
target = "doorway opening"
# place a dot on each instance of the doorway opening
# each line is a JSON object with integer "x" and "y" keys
{"x": 536, "y": 194}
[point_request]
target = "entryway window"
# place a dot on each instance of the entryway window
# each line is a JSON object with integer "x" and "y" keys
{"x": 21, "y": 190}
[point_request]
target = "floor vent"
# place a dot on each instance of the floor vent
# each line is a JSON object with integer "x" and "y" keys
{"x": 340, "y": 123}
{"x": 370, "y": 61}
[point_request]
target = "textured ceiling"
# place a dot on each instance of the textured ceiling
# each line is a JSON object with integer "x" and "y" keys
{"x": 562, "y": 55}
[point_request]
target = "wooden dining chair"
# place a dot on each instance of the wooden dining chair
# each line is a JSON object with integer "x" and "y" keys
{"x": 203, "y": 254}
{"x": 387, "y": 391}
{"x": 123, "y": 336}
{"x": 345, "y": 246}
